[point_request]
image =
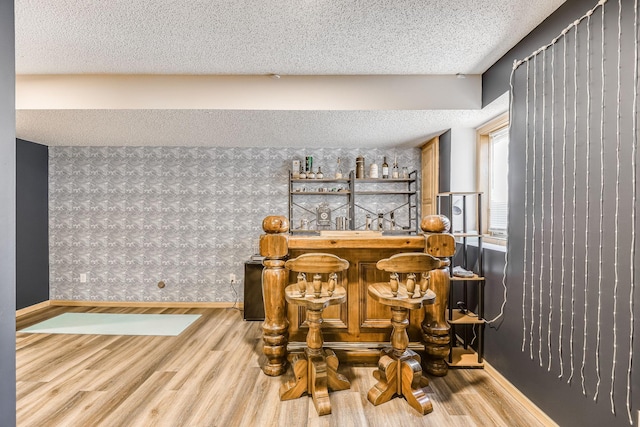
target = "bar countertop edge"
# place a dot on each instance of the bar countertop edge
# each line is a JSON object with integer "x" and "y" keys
{"x": 355, "y": 241}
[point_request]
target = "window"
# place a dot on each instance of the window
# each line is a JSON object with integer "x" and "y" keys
{"x": 493, "y": 157}
{"x": 498, "y": 160}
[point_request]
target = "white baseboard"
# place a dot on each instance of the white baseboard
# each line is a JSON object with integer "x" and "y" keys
{"x": 517, "y": 394}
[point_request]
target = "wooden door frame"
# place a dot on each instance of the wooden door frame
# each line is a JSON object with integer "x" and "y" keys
{"x": 430, "y": 176}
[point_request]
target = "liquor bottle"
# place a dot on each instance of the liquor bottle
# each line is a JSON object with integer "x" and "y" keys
{"x": 359, "y": 167}
{"x": 395, "y": 173}
{"x": 385, "y": 169}
{"x": 295, "y": 168}
{"x": 373, "y": 170}
{"x": 338, "y": 170}
{"x": 308, "y": 164}
{"x": 319, "y": 175}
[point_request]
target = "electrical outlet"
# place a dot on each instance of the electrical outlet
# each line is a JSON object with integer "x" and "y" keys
{"x": 83, "y": 277}
{"x": 232, "y": 278}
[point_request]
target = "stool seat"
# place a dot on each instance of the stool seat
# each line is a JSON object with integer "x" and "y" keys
{"x": 292, "y": 295}
{"x": 382, "y": 294}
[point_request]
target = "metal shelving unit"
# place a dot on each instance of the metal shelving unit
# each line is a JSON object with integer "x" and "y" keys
{"x": 353, "y": 189}
{"x": 466, "y": 325}
{"x": 341, "y": 199}
{"x": 362, "y": 188}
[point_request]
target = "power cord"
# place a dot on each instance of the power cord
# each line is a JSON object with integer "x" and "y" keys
{"x": 235, "y": 293}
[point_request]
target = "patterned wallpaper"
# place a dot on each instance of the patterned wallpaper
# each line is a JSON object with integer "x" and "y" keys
{"x": 129, "y": 217}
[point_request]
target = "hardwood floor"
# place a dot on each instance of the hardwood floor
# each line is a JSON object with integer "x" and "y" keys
{"x": 210, "y": 376}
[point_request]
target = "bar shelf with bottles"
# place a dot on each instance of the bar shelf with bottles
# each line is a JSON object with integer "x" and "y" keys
{"x": 354, "y": 198}
{"x": 467, "y": 322}
{"x": 304, "y": 216}
{"x": 390, "y": 203}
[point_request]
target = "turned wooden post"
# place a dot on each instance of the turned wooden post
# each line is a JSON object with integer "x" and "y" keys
{"x": 314, "y": 336}
{"x": 435, "y": 329}
{"x": 275, "y": 329}
{"x": 399, "y": 337}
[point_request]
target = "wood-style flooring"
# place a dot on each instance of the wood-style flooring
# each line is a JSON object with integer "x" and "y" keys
{"x": 210, "y": 376}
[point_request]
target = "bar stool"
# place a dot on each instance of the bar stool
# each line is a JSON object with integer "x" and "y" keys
{"x": 399, "y": 371}
{"x": 316, "y": 370}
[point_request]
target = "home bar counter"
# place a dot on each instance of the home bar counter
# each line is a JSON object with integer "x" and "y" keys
{"x": 358, "y": 329}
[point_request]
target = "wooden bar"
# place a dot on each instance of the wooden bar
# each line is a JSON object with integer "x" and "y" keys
{"x": 362, "y": 323}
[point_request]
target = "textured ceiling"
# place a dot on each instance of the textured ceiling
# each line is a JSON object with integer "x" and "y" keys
{"x": 305, "y": 37}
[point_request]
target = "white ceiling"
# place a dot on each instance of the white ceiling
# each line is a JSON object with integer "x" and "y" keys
{"x": 241, "y": 37}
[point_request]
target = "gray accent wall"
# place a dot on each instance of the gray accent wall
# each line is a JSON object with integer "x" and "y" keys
{"x": 554, "y": 300}
{"x": 444, "y": 161}
{"x": 7, "y": 217}
{"x": 128, "y": 217}
{"x": 495, "y": 81}
{"x": 32, "y": 228}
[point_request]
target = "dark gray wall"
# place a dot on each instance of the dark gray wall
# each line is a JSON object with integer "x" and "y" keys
{"x": 444, "y": 153}
{"x": 562, "y": 401}
{"x": 495, "y": 81}
{"x": 7, "y": 217}
{"x": 553, "y": 389}
{"x": 32, "y": 228}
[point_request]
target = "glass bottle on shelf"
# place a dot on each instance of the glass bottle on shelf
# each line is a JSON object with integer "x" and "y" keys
{"x": 319, "y": 175}
{"x": 373, "y": 170}
{"x": 405, "y": 173}
{"x": 359, "y": 167}
{"x": 395, "y": 174}
{"x": 308, "y": 164}
{"x": 311, "y": 174}
{"x": 385, "y": 169}
{"x": 338, "y": 170}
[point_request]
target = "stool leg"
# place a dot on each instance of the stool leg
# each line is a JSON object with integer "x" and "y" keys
{"x": 336, "y": 381}
{"x": 389, "y": 374}
{"x": 310, "y": 371}
{"x": 317, "y": 376}
{"x": 387, "y": 384}
{"x": 316, "y": 371}
{"x": 296, "y": 387}
{"x": 411, "y": 390}
{"x": 318, "y": 384}
{"x": 399, "y": 371}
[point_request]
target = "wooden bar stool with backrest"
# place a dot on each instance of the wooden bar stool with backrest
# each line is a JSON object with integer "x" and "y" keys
{"x": 399, "y": 371}
{"x": 316, "y": 370}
